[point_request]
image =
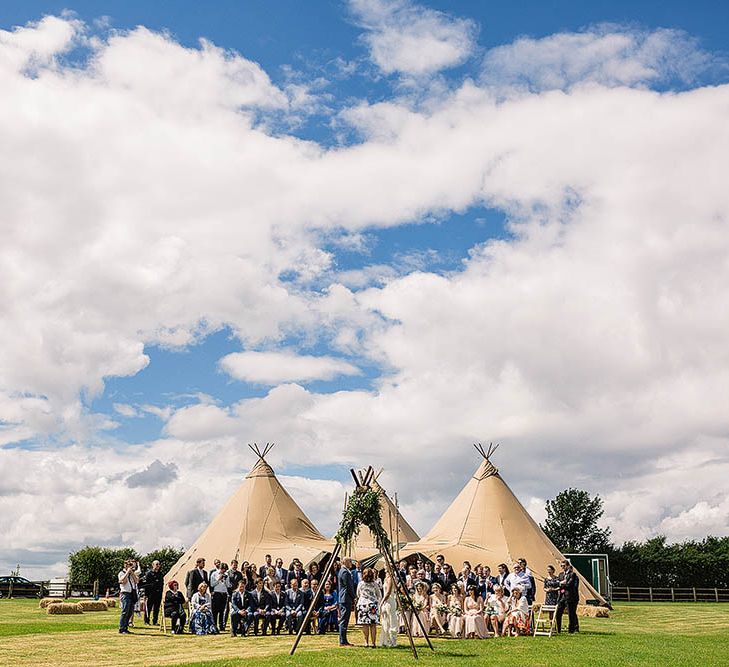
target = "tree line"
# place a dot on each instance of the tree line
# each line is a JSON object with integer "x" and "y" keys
{"x": 103, "y": 564}
{"x": 572, "y": 524}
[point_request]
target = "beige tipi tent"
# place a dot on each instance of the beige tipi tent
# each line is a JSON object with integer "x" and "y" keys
{"x": 486, "y": 524}
{"x": 398, "y": 530}
{"x": 260, "y": 518}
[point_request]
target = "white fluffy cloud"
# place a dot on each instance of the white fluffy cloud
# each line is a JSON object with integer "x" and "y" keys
{"x": 606, "y": 54}
{"x": 146, "y": 206}
{"x": 283, "y": 366}
{"x": 409, "y": 38}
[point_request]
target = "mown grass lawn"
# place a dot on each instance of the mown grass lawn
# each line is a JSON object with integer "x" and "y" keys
{"x": 636, "y": 634}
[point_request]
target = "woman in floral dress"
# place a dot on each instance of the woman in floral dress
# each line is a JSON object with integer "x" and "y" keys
{"x": 368, "y": 606}
{"x": 201, "y": 618}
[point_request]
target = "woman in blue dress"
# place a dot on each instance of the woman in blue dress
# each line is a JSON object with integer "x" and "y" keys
{"x": 328, "y": 616}
{"x": 201, "y": 618}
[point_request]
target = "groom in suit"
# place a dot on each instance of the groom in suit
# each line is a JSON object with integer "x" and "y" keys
{"x": 346, "y": 599}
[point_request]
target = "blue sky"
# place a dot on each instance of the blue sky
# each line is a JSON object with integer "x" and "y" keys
{"x": 373, "y": 228}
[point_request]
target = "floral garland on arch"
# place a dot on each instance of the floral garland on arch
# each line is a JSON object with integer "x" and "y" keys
{"x": 363, "y": 508}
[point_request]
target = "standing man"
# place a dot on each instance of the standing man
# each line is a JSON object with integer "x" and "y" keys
{"x": 219, "y": 589}
{"x": 346, "y": 599}
{"x": 282, "y": 573}
{"x": 196, "y": 577}
{"x": 569, "y": 596}
{"x": 128, "y": 581}
{"x": 153, "y": 587}
{"x": 263, "y": 570}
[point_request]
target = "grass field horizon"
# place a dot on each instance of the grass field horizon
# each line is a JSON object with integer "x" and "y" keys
{"x": 636, "y": 634}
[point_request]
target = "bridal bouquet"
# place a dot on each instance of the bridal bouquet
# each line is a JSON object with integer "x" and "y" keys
{"x": 443, "y": 608}
{"x": 419, "y": 606}
{"x": 456, "y": 611}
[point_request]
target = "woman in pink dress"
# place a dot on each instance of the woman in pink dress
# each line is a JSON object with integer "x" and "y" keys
{"x": 497, "y": 607}
{"x": 422, "y": 609}
{"x": 438, "y": 609}
{"x": 475, "y": 625}
{"x": 455, "y": 617}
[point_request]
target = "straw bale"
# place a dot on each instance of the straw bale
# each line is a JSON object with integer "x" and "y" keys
{"x": 65, "y": 608}
{"x": 46, "y": 601}
{"x": 92, "y": 605}
{"x": 592, "y": 611}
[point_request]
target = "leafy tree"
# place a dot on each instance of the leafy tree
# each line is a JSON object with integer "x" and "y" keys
{"x": 571, "y": 522}
{"x": 98, "y": 563}
{"x": 167, "y": 557}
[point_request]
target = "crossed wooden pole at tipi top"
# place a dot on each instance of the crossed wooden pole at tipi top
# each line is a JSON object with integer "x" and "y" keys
{"x": 363, "y": 482}
{"x": 257, "y": 450}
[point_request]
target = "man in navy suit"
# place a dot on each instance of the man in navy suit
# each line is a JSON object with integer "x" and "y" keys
{"x": 346, "y": 599}
{"x": 240, "y": 616}
{"x": 259, "y": 606}
{"x": 282, "y": 573}
{"x": 569, "y": 596}
{"x": 278, "y": 609}
{"x": 294, "y": 607}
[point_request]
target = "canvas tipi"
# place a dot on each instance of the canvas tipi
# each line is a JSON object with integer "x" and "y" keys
{"x": 398, "y": 530}
{"x": 260, "y": 518}
{"x": 486, "y": 524}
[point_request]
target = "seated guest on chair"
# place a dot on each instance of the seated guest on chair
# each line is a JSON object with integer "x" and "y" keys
{"x": 328, "y": 615}
{"x": 517, "y": 620}
{"x": 201, "y": 612}
{"x": 174, "y": 608}
{"x": 294, "y": 606}
{"x": 240, "y": 616}
{"x": 497, "y": 606}
{"x": 259, "y": 605}
{"x": 277, "y": 614}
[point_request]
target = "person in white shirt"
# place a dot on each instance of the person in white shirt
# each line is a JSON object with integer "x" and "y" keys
{"x": 518, "y": 579}
{"x": 219, "y": 588}
{"x": 128, "y": 580}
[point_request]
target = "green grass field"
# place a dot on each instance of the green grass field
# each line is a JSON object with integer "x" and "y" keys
{"x": 636, "y": 634}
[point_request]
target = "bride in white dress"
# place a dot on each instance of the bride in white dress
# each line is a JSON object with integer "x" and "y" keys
{"x": 388, "y": 614}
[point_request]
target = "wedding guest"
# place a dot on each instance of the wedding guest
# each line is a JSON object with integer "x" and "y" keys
{"x": 346, "y": 593}
{"x": 519, "y": 579}
{"x": 421, "y": 602}
{"x": 307, "y": 594}
{"x": 201, "y": 616}
{"x": 153, "y": 587}
{"x": 195, "y": 577}
{"x": 240, "y": 617}
{"x": 328, "y": 615}
{"x": 282, "y": 573}
{"x": 263, "y": 570}
{"x": 474, "y": 624}
{"x": 569, "y": 596}
{"x": 497, "y": 608}
{"x": 216, "y": 563}
{"x": 532, "y": 590}
{"x": 278, "y": 608}
{"x": 455, "y": 614}
{"x": 388, "y": 613}
{"x": 501, "y": 578}
{"x": 551, "y": 586}
{"x": 313, "y": 572}
{"x": 438, "y": 609}
{"x": 219, "y": 590}
{"x": 517, "y": 619}
{"x": 174, "y": 608}
{"x": 294, "y": 606}
{"x": 368, "y": 606}
{"x": 128, "y": 580}
{"x": 467, "y": 576}
{"x": 235, "y": 576}
{"x": 259, "y": 605}
{"x": 449, "y": 577}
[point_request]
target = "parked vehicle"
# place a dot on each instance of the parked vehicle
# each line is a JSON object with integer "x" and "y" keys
{"x": 21, "y": 588}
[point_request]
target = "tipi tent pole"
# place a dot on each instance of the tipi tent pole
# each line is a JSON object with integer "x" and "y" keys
{"x": 397, "y": 528}
{"x": 315, "y": 598}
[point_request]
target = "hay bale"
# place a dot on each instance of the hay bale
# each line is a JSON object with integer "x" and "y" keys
{"x": 65, "y": 608}
{"x": 92, "y": 605}
{"x": 591, "y": 611}
{"x": 110, "y": 602}
{"x": 46, "y": 601}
